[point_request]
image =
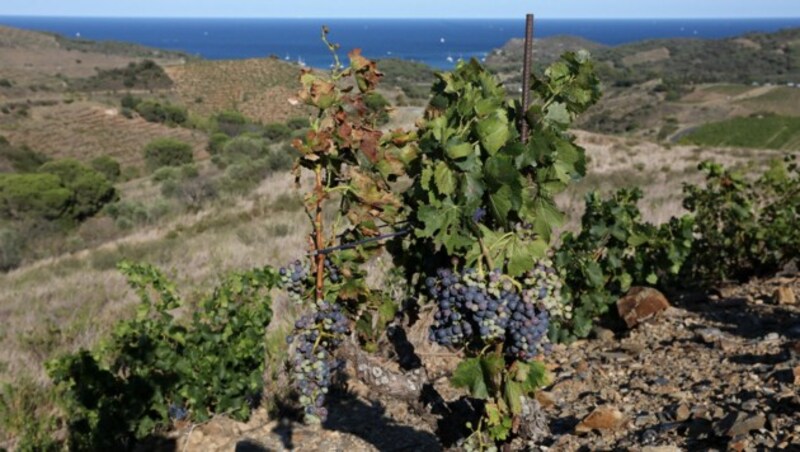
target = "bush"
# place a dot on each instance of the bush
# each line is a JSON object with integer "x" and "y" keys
{"x": 276, "y": 132}
{"x": 167, "y": 152}
{"x": 377, "y": 104}
{"x": 21, "y": 159}
{"x": 216, "y": 142}
{"x": 5, "y": 83}
{"x": 108, "y": 167}
{"x": 244, "y": 147}
{"x": 298, "y": 123}
{"x": 744, "y": 228}
{"x": 11, "y": 244}
{"x": 39, "y": 196}
{"x": 90, "y": 189}
{"x": 155, "y": 370}
{"x": 129, "y": 101}
{"x": 231, "y": 123}
{"x": 154, "y": 111}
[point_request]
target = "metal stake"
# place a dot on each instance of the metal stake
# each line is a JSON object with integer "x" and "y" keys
{"x": 526, "y": 76}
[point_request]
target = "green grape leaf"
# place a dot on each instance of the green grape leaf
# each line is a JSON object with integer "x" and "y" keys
{"x": 512, "y": 395}
{"x": 456, "y": 150}
{"x": 493, "y": 132}
{"x": 469, "y": 374}
{"x": 444, "y": 178}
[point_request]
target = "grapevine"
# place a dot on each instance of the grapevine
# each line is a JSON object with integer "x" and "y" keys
{"x": 353, "y": 164}
{"x": 482, "y": 210}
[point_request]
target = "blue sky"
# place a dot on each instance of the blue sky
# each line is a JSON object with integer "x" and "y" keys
{"x": 406, "y": 8}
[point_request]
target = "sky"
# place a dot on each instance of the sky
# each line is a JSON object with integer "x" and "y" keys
{"x": 406, "y": 8}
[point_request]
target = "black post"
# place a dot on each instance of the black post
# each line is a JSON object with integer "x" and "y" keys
{"x": 526, "y": 76}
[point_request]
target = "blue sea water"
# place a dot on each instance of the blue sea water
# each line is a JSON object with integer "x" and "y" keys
{"x": 432, "y": 41}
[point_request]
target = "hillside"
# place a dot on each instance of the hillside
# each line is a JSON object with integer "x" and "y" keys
{"x": 259, "y": 88}
{"x": 85, "y": 130}
{"x": 756, "y": 57}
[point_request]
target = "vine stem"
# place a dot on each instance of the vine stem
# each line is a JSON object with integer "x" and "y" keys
{"x": 318, "y": 229}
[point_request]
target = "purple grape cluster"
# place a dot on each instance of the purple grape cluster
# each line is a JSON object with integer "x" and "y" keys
{"x": 333, "y": 271}
{"x": 483, "y": 309}
{"x": 294, "y": 279}
{"x": 315, "y": 337}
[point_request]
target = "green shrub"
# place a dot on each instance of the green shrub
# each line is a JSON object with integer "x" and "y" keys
{"x": 298, "y": 123}
{"x": 244, "y": 147}
{"x": 167, "y": 152}
{"x": 154, "y": 111}
{"x": 614, "y": 250}
{"x": 240, "y": 178}
{"x": 33, "y": 196}
{"x": 129, "y": 101}
{"x": 24, "y": 416}
{"x": 108, "y": 167}
{"x": 231, "y": 123}
{"x": 378, "y": 104}
{"x": 11, "y": 244}
{"x": 276, "y": 132}
{"x": 156, "y": 369}
{"x": 744, "y": 228}
{"x": 216, "y": 142}
{"x": 21, "y": 159}
{"x": 90, "y": 189}
{"x": 5, "y": 83}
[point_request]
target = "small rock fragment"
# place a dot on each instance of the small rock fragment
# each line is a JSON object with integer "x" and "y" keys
{"x": 682, "y": 413}
{"x": 796, "y": 372}
{"x": 641, "y": 304}
{"x": 602, "y": 418}
{"x": 738, "y": 424}
{"x": 661, "y": 449}
{"x": 784, "y": 295}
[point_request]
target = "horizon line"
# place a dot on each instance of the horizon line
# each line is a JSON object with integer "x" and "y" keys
{"x": 389, "y": 18}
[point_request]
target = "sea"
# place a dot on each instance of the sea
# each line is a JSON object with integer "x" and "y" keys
{"x": 436, "y": 42}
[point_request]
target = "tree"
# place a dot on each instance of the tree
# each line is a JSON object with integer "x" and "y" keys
{"x": 167, "y": 152}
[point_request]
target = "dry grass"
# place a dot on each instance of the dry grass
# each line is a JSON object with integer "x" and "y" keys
{"x": 84, "y": 130}
{"x": 259, "y": 88}
{"x": 70, "y": 301}
{"x": 659, "y": 171}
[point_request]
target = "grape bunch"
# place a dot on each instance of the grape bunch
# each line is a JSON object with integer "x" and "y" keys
{"x": 293, "y": 278}
{"x": 315, "y": 337}
{"x": 542, "y": 285}
{"x": 333, "y": 271}
{"x": 483, "y": 309}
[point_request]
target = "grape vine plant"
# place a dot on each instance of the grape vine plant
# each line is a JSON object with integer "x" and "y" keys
{"x": 482, "y": 211}
{"x": 353, "y": 165}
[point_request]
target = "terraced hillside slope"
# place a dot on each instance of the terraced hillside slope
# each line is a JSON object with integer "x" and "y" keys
{"x": 259, "y": 88}
{"x": 85, "y": 130}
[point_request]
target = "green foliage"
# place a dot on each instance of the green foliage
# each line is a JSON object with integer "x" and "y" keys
{"x": 231, "y": 123}
{"x": 24, "y": 416}
{"x": 11, "y": 245}
{"x": 167, "y": 152}
{"x": 276, "y": 132}
{"x": 38, "y": 196}
{"x": 377, "y": 104}
{"x": 744, "y": 228}
{"x": 90, "y": 189}
{"x": 108, "y": 167}
{"x": 298, "y": 123}
{"x": 22, "y": 159}
{"x": 614, "y": 250}
{"x": 472, "y": 159}
{"x": 164, "y": 113}
{"x": 755, "y": 132}
{"x": 216, "y": 143}
{"x": 156, "y": 368}
{"x": 482, "y": 199}
{"x": 145, "y": 74}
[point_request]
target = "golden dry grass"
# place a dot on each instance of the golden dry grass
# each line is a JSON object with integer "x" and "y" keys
{"x": 85, "y": 130}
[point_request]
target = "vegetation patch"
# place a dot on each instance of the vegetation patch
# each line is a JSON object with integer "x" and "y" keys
{"x": 759, "y": 132}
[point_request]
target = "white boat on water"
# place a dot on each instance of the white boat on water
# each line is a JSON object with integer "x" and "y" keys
{"x": 300, "y": 62}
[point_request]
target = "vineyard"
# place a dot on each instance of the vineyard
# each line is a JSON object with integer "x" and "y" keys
{"x": 446, "y": 292}
{"x": 85, "y": 130}
{"x": 249, "y": 86}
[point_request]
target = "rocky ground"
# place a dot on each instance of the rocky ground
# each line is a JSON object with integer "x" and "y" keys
{"x": 717, "y": 371}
